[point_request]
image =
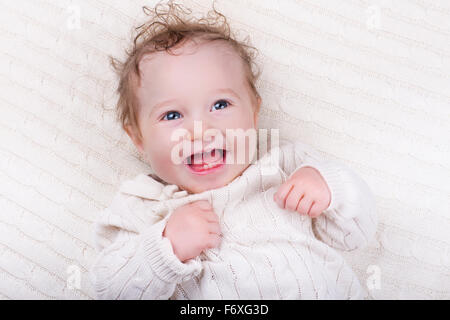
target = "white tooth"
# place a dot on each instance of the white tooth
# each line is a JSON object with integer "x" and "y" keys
{"x": 207, "y": 166}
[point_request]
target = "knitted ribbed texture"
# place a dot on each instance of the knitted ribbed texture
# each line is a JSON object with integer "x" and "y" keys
{"x": 266, "y": 252}
{"x": 161, "y": 259}
{"x": 364, "y": 82}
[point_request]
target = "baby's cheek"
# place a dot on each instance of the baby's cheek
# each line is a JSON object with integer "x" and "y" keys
{"x": 157, "y": 160}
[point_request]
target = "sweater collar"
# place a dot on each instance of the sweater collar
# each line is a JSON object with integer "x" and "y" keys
{"x": 147, "y": 187}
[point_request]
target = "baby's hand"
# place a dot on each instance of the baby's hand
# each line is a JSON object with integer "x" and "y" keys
{"x": 305, "y": 191}
{"x": 193, "y": 228}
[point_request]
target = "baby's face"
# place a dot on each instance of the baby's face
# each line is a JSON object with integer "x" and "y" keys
{"x": 204, "y": 85}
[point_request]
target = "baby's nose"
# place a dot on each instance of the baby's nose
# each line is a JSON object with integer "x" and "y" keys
{"x": 201, "y": 130}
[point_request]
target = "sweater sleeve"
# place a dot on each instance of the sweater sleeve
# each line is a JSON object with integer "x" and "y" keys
{"x": 137, "y": 265}
{"x": 350, "y": 221}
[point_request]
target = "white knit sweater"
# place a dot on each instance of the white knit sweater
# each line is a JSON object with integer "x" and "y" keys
{"x": 266, "y": 252}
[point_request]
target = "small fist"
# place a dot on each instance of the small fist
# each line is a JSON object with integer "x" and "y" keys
{"x": 193, "y": 228}
{"x": 305, "y": 191}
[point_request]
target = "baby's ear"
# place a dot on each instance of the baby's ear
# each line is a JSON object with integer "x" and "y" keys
{"x": 131, "y": 132}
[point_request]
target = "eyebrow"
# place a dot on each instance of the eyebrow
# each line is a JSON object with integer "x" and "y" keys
{"x": 216, "y": 91}
{"x": 226, "y": 90}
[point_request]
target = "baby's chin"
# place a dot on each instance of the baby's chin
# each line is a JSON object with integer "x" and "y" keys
{"x": 200, "y": 187}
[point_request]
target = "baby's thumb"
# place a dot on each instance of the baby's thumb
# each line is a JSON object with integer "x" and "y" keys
{"x": 203, "y": 204}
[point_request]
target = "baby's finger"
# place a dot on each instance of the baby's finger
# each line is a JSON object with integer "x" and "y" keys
{"x": 214, "y": 228}
{"x": 282, "y": 193}
{"x": 203, "y": 204}
{"x": 304, "y": 205}
{"x": 210, "y": 216}
{"x": 213, "y": 241}
{"x": 294, "y": 198}
{"x": 315, "y": 210}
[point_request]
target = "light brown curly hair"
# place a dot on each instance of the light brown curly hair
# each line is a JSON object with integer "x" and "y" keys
{"x": 167, "y": 28}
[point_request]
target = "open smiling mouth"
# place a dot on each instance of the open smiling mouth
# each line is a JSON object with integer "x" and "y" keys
{"x": 206, "y": 162}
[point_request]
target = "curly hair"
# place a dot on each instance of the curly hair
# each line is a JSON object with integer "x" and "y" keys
{"x": 167, "y": 28}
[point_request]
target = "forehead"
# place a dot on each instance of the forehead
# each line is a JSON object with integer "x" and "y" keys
{"x": 203, "y": 65}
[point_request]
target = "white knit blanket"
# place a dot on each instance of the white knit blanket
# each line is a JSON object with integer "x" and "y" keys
{"x": 363, "y": 82}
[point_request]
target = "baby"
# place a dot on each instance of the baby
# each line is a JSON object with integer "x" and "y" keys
{"x": 204, "y": 224}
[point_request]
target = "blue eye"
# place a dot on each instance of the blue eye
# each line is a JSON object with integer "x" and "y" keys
{"x": 170, "y": 115}
{"x": 221, "y": 103}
